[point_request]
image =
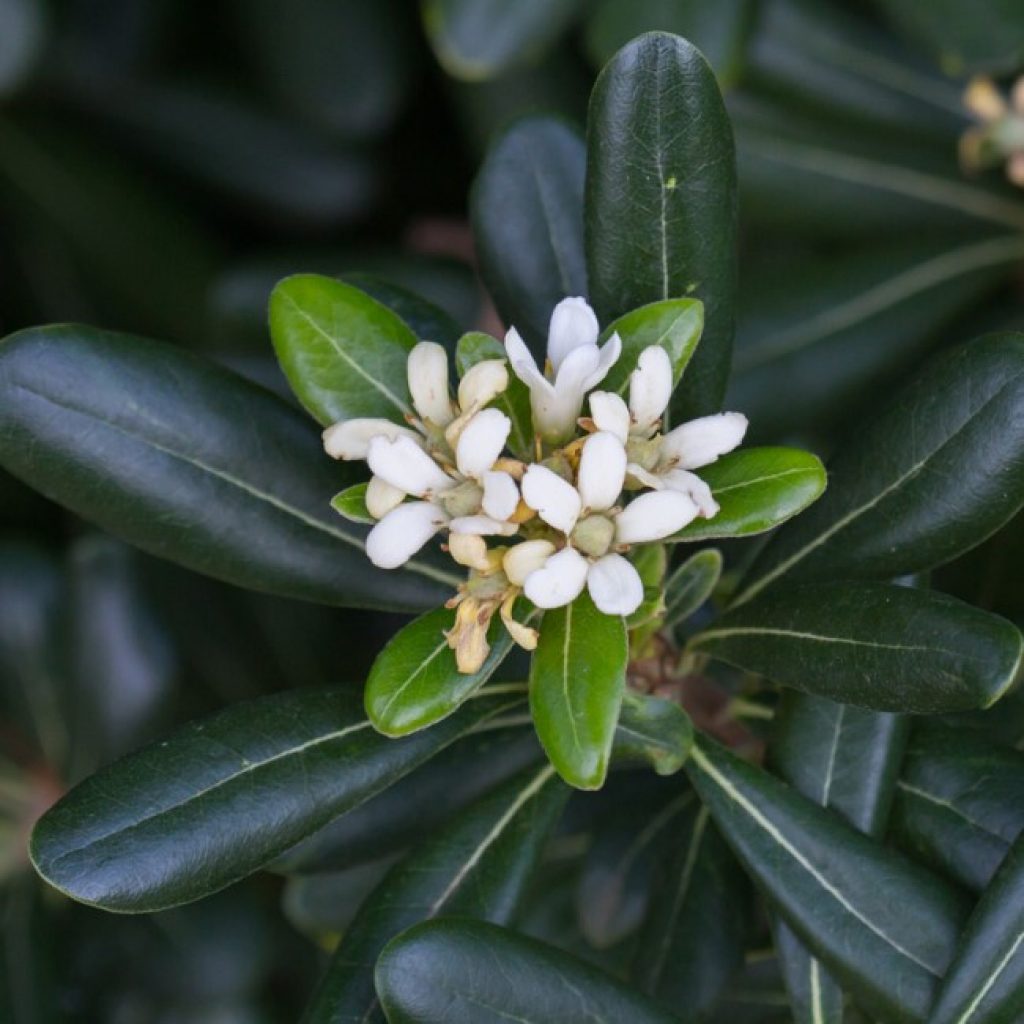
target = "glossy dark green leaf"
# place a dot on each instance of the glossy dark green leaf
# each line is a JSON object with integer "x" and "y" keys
{"x": 692, "y": 941}
{"x": 224, "y": 796}
{"x": 415, "y": 680}
{"x": 577, "y": 677}
{"x": 814, "y": 336}
{"x": 875, "y": 645}
{"x": 756, "y": 489}
{"x": 322, "y": 906}
{"x": 22, "y": 34}
{"x": 959, "y": 802}
{"x": 691, "y": 585}
{"x": 443, "y": 972}
{"x": 846, "y": 759}
{"x": 985, "y": 983}
{"x": 933, "y": 475}
{"x": 719, "y": 30}
{"x": 673, "y": 324}
{"x": 477, "y": 866}
{"x": 426, "y": 320}
{"x": 527, "y": 210}
{"x": 989, "y": 35}
{"x": 198, "y": 466}
{"x": 651, "y": 564}
{"x": 478, "y": 39}
{"x": 514, "y": 402}
{"x": 439, "y": 789}
{"x": 661, "y": 199}
{"x": 884, "y": 926}
{"x": 343, "y": 353}
{"x": 652, "y": 731}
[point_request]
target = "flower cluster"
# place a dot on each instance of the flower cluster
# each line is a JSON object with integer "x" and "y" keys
{"x": 999, "y": 138}
{"x": 599, "y": 485}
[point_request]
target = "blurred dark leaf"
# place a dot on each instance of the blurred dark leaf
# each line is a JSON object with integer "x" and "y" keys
{"x": 23, "y": 25}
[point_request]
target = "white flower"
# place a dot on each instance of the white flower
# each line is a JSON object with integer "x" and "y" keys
{"x": 650, "y": 388}
{"x": 402, "y": 532}
{"x": 577, "y": 365}
{"x": 350, "y": 439}
{"x": 427, "y": 372}
{"x": 406, "y": 466}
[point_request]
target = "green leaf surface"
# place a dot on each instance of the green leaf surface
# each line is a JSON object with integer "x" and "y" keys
{"x": 691, "y": 585}
{"x": 474, "y": 347}
{"x": 884, "y": 926}
{"x": 443, "y": 972}
{"x": 959, "y": 802}
{"x": 874, "y": 645}
{"x": 692, "y": 941}
{"x": 660, "y": 211}
{"x": 846, "y": 759}
{"x": 577, "y": 677}
{"x": 652, "y": 731}
{"x": 673, "y": 324}
{"x": 424, "y": 318}
{"x": 351, "y": 504}
{"x": 757, "y": 489}
{"x": 929, "y": 478}
{"x": 224, "y": 796}
{"x": 527, "y": 212}
{"x": 477, "y": 866}
{"x": 415, "y": 680}
{"x": 478, "y": 39}
{"x": 190, "y": 463}
{"x": 343, "y": 353}
{"x": 985, "y": 983}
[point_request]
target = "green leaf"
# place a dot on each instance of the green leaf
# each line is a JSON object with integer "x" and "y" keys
{"x": 527, "y": 210}
{"x": 415, "y": 681}
{"x": 674, "y": 324}
{"x": 322, "y": 906}
{"x": 718, "y": 29}
{"x": 875, "y": 645}
{"x": 846, "y": 759}
{"x": 884, "y": 926}
{"x": 191, "y": 463}
{"x": 577, "y": 677}
{"x": 989, "y": 36}
{"x": 439, "y": 789}
{"x": 691, "y": 585}
{"x": 425, "y": 319}
{"x": 813, "y": 336}
{"x": 931, "y": 477}
{"x": 661, "y": 199}
{"x": 693, "y": 939}
{"x": 351, "y": 503}
{"x": 985, "y": 983}
{"x": 22, "y": 34}
{"x": 443, "y": 972}
{"x": 959, "y": 802}
{"x": 650, "y": 562}
{"x": 514, "y": 402}
{"x": 343, "y": 353}
{"x": 477, "y": 40}
{"x": 653, "y": 731}
{"x": 224, "y": 796}
{"x": 756, "y": 489}
{"x": 477, "y": 866}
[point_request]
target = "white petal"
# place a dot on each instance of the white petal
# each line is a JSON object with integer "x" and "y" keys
{"x": 552, "y": 498}
{"x": 602, "y": 471}
{"x": 644, "y": 476}
{"x": 654, "y": 515}
{"x": 699, "y": 442}
{"x": 481, "y": 442}
{"x": 555, "y": 410}
{"x": 572, "y": 325}
{"x": 691, "y": 484}
{"x": 650, "y": 387}
{"x": 481, "y": 383}
{"x": 402, "y": 532}
{"x": 615, "y": 585}
{"x": 501, "y": 496}
{"x": 522, "y": 361}
{"x": 609, "y": 412}
{"x": 350, "y": 439}
{"x": 381, "y": 497}
{"x": 610, "y": 352}
{"x": 521, "y": 560}
{"x": 469, "y": 549}
{"x": 427, "y": 370}
{"x": 404, "y": 464}
{"x": 560, "y": 581}
{"x": 484, "y": 526}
